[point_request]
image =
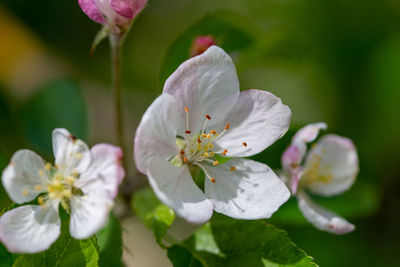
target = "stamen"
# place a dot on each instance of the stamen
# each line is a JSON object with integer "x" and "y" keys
{"x": 224, "y": 153}
{"x": 38, "y": 187}
{"x": 213, "y": 132}
{"x": 199, "y": 140}
{"x": 206, "y": 173}
{"x": 227, "y": 126}
{"x": 182, "y": 152}
{"x": 188, "y": 132}
{"x": 25, "y": 192}
{"x": 187, "y": 120}
{"x": 47, "y": 166}
{"x": 232, "y": 168}
{"x": 206, "y": 155}
{"x": 205, "y": 123}
{"x": 244, "y": 144}
{"x": 208, "y": 117}
{"x": 215, "y": 163}
{"x": 41, "y": 201}
{"x": 185, "y": 160}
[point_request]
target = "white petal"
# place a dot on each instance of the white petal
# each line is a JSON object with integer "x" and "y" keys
{"x": 206, "y": 84}
{"x": 258, "y": 119}
{"x": 71, "y": 154}
{"x": 156, "y": 134}
{"x": 331, "y": 167}
{"x": 89, "y": 213}
{"x": 105, "y": 167}
{"x": 30, "y": 229}
{"x": 309, "y": 132}
{"x": 322, "y": 218}
{"x": 22, "y": 178}
{"x": 174, "y": 186}
{"x": 251, "y": 191}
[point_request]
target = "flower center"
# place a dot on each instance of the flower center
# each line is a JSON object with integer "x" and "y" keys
{"x": 59, "y": 186}
{"x": 197, "y": 149}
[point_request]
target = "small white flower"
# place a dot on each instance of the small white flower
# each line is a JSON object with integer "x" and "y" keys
{"x": 329, "y": 168}
{"x": 83, "y": 181}
{"x": 201, "y": 114}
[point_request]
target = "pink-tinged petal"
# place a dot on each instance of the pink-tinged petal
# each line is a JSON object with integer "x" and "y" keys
{"x": 206, "y": 84}
{"x": 89, "y": 213}
{"x": 105, "y": 168}
{"x": 128, "y": 8}
{"x": 174, "y": 186}
{"x": 291, "y": 158}
{"x": 331, "y": 167}
{"x": 322, "y": 218}
{"x": 89, "y": 7}
{"x": 71, "y": 154}
{"x": 245, "y": 189}
{"x": 156, "y": 134}
{"x": 308, "y": 133}
{"x": 30, "y": 229}
{"x": 24, "y": 177}
{"x": 258, "y": 119}
{"x": 201, "y": 44}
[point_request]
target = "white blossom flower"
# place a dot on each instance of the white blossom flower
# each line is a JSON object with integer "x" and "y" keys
{"x": 202, "y": 114}
{"x": 83, "y": 181}
{"x": 329, "y": 168}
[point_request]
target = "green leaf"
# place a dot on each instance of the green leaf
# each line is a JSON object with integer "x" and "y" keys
{"x": 222, "y": 25}
{"x": 228, "y": 242}
{"x": 6, "y": 258}
{"x": 110, "y": 243}
{"x": 58, "y": 105}
{"x": 66, "y": 251}
{"x": 153, "y": 213}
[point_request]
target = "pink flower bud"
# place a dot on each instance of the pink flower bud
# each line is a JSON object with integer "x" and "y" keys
{"x": 112, "y": 12}
{"x": 201, "y": 44}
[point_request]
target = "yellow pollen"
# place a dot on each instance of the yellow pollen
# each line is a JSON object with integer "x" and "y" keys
{"x": 203, "y": 135}
{"x": 25, "y": 192}
{"x": 215, "y": 163}
{"x": 67, "y": 193}
{"x": 70, "y": 180}
{"x": 47, "y": 166}
{"x": 208, "y": 136}
{"x": 38, "y": 187}
{"x": 212, "y": 153}
{"x": 210, "y": 146}
{"x": 206, "y": 155}
{"x": 232, "y": 169}
{"x": 41, "y": 201}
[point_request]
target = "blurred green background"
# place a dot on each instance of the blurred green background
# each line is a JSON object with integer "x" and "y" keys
{"x": 333, "y": 61}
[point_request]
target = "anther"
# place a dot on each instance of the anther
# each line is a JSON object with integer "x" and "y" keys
{"x": 244, "y": 144}
{"x": 212, "y": 180}
{"x": 213, "y": 132}
{"x": 38, "y": 187}
{"x": 232, "y": 168}
{"x": 41, "y": 201}
{"x": 188, "y": 132}
{"x": 224, "y": 153}
{"x": 227, "y": 126}
{"x": 185, "y": 160}
{"x": 208, "y": 136}
{"x": 199, "y": 140}
{"x": 25, "y": 192}
{"x": 186, "y": 109}
{"x": 182, "y": 152}
{"x": 215, "y": 163}
{"x": 47, "y": 166}
{"x": 208, "y": 117}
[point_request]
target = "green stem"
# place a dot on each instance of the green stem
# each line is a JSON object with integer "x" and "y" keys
{"x": 116, "y": 42}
